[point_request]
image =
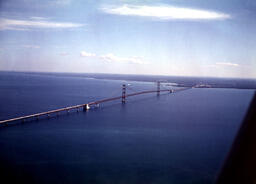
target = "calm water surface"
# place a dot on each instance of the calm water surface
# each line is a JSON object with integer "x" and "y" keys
{"x": 175, "y": 138}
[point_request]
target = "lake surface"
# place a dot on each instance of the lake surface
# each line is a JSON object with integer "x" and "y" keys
{"x": 174, "y": 138}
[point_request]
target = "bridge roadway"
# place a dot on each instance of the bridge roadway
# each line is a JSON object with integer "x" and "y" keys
{"x": 84, "y": 106}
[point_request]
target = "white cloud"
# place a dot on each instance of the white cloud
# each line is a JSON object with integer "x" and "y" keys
{"x": 38, "y": 18}
{"x": 64, "y": 54}
{"x": 222, "y": 64}
{"x": 61, "y": 2}
{"x": 114, "y": 59}
{"x": 86, "y": 54}
{"x": 211, "y": 66}
{"x": 32, "y": 46}
{"x": 166, "y": 12}
{"x": 227, "y": 64}
{"x": 35, "y": 23}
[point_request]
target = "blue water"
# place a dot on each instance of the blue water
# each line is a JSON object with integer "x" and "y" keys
{"x": 175, "y": 138}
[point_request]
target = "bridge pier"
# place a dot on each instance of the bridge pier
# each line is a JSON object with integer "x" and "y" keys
{"x": 86, "y": 107}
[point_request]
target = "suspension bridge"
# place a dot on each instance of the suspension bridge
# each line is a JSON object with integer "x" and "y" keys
{"x": 86, "y": 107}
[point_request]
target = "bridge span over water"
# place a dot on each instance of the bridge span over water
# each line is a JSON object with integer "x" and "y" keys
{"x": 86, "y": 107}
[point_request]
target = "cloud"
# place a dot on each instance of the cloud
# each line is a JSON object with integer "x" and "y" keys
{"x": 211, "y": 66}
{"x": 227, "y": 64}
{"x": 61, "y": 2}
{"x": 38, "y": 18}
{"x": 166, "y": 12}
{"x": 114, "y": 59}
{"x": 86, "y": 54}
{"x": 32, "y": 46}
{"x": 64, "y": 54}
{"x": 34, "y": 23}
{"x": 222, "y": 64}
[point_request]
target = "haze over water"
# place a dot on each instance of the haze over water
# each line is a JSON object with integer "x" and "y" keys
{"x": 174, "y": 138}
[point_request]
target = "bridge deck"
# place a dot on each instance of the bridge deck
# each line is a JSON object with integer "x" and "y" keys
{"x": 47, "y": 113}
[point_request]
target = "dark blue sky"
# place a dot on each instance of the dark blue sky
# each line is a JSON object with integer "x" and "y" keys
{"x": 175, "y": 37}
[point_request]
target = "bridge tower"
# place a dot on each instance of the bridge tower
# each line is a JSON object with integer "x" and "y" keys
{"x": 123, "y": 93}
{"x": 158, "y": 88}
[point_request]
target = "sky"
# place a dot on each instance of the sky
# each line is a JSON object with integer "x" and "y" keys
{"x": 206, "y": 38}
